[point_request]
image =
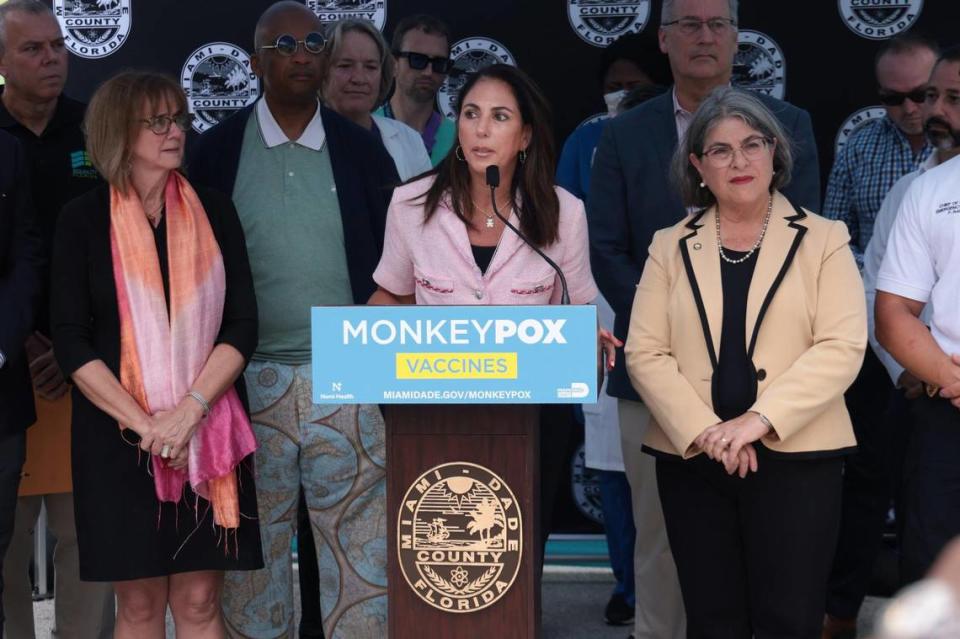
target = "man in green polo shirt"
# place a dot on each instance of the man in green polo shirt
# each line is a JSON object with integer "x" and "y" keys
{"x": 311, "y": 191}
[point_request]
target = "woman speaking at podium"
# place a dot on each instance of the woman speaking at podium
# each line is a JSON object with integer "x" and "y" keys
{"x": 446, "y": 241}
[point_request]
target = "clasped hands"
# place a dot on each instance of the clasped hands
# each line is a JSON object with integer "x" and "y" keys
{"x": 170, "y": 432}
{"x": 731, "y": 443}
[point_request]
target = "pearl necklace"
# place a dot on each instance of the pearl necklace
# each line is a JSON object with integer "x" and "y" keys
{"x": 756, "y": 245}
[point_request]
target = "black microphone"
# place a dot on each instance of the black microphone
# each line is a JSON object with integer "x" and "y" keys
{"x": 493, "y": 181}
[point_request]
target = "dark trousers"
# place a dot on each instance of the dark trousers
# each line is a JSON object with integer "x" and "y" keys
{"x": 558, "y": 434}
{"x": 311, "y": 618}
{"x": 931, "y": 485}
{"x": 621, "y": 532}
{"x": 13, "y": 452}
{"x": 869, "y": 481}
{"x": 753, "y": 555}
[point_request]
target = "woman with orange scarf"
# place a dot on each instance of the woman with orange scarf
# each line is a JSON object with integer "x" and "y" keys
{"x": 154, "y": 318}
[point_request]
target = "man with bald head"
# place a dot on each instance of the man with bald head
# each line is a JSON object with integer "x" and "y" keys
{"x": 311, "y": 190}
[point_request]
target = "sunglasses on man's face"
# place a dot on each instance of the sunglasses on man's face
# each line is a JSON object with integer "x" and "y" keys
{"x": 287, "y": 45}
{"x": 419, "y": 62}
{"x": 895, "y": 98}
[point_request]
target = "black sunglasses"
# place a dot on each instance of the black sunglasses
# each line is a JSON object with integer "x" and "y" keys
{"x": 287, "y": 45}
{"x": 894, "y": 98}
{"x": 419, "y": 62}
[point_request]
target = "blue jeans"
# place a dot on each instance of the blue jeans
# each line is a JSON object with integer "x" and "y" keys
{"x": 621, "y": 533}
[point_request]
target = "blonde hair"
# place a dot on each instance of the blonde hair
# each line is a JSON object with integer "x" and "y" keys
{"x": 335, "y": 35}
{"x": 114, "y": 119}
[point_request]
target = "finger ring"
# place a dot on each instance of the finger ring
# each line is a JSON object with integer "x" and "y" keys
{"x": 165, "y": 451}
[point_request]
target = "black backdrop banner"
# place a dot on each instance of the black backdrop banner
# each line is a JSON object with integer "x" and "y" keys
{"x": 817, "y": 54}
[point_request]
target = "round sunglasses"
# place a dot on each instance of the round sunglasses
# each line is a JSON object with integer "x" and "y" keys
{"x": 287, "y": 45}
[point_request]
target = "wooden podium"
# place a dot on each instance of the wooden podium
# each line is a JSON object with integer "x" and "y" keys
{"x": 463, "y": 521}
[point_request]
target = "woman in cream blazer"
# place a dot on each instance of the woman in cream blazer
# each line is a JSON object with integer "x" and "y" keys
{"x": 748, "y": 326}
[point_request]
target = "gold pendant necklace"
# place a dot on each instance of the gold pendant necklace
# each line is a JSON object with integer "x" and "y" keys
{"x": 490, "y": 223}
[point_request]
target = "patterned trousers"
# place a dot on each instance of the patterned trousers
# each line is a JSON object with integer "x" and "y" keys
{"x": 338, "y": 455}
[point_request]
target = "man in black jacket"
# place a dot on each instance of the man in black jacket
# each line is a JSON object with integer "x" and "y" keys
{"x": 311, "y": 191}
{"x": 33, "y": 61}
{"x": 21, "y": 268}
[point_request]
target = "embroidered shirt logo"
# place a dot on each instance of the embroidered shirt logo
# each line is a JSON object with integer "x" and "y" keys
{"x": 81, "y": 166}
{"x": 948, "y": 208}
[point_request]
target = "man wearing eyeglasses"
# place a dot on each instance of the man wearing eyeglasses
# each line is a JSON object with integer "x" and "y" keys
{"x": 866, "y": 169}
{"x": 311, "y": 191}
{"x": 421, "y": 49}
{"x": 33, "y": 61}
{"x": 630, "y": 199}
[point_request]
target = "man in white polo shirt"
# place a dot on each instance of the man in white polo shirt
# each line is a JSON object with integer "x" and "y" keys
{"x": 921, "y": 266}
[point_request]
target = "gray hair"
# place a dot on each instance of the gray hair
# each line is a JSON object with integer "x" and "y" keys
{"x": 33, "y": 7}
{"x": 726, "y": 102}
{"x": 667, "y": 14}
{"x": 335, "y": 35}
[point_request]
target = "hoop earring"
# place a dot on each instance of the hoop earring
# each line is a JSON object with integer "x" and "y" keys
{"x": 459, "y": 153}
{"x": 522, "y": 156}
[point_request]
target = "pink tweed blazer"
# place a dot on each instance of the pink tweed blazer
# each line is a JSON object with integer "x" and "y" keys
{"x": 435, "y": 261}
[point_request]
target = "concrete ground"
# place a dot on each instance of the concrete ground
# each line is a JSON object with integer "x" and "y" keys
{"x": 573, "y": 602}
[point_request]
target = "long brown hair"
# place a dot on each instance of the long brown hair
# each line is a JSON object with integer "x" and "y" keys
{"x": 531, "y": 191}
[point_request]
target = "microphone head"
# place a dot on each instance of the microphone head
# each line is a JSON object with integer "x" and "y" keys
{"x": 493, "y": 175}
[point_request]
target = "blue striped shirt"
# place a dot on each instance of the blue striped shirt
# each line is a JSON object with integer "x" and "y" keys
{"x": 874, "y": 158}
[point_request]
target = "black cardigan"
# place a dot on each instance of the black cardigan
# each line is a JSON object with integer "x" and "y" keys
{"x": 363, "y": 172}
{"x": 83, "y": 306}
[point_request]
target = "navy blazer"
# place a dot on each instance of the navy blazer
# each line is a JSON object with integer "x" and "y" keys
{"x": 363, "y": 172}
{"x": 631, "y": 198}
{"x": 21, "y": 286}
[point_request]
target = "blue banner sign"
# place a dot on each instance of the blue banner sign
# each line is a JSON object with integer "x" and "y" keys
{"x": 454, "y": 354}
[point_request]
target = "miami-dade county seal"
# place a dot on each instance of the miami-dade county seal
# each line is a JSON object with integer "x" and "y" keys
{"x": 459, "y": 537}
{"x": 469, "y": 56}
{"x": 600, "y": 22}
{"x": 759, "y": 64}
{"x": 879, "y": 19}
{"x": 586, "y": 487}
{"x": 854, "y": 122}
{"x": 93, "y": 28}
{"x": 218, "y": 81}
{"x": 332, "y": 10}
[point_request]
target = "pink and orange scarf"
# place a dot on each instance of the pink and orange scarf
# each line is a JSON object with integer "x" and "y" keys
{"x": 162, "y": 354}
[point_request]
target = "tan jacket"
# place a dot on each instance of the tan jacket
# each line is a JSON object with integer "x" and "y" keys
{"x": 806, "y": 331}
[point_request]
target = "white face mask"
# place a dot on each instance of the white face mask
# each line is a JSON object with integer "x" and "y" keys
{"x": 613, "y": 101}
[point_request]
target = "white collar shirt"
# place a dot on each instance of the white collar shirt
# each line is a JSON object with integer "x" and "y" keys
{"x": 313, "y": 137}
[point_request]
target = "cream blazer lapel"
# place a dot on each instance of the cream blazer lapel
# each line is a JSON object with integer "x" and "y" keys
{"x": 780, "y": 244}
{"x": 701, "y": 260}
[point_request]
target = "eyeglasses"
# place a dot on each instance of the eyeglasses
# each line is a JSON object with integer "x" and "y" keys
{"x": 160, "y": 124}
{"x": 287, "y": 45}
{"x": 419, "y": 62}
{"x": 692, "y": 26}
{"x": 895, "y": 98}
{"x": 720, "y": 156}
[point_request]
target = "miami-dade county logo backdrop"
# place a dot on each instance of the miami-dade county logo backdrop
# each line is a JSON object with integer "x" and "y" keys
{"x": 332, "y": 10}
{"x": 600, "y": 22}
{"x": 93, "y": 28}
{"x": 454, "y": 354}
{"x": 759, "y": 64}
{"x": 854, "y": 122}
{"x": 879, "y": 19}
{"x": 469, "y": 56}
{"x": 218, "y": 81}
